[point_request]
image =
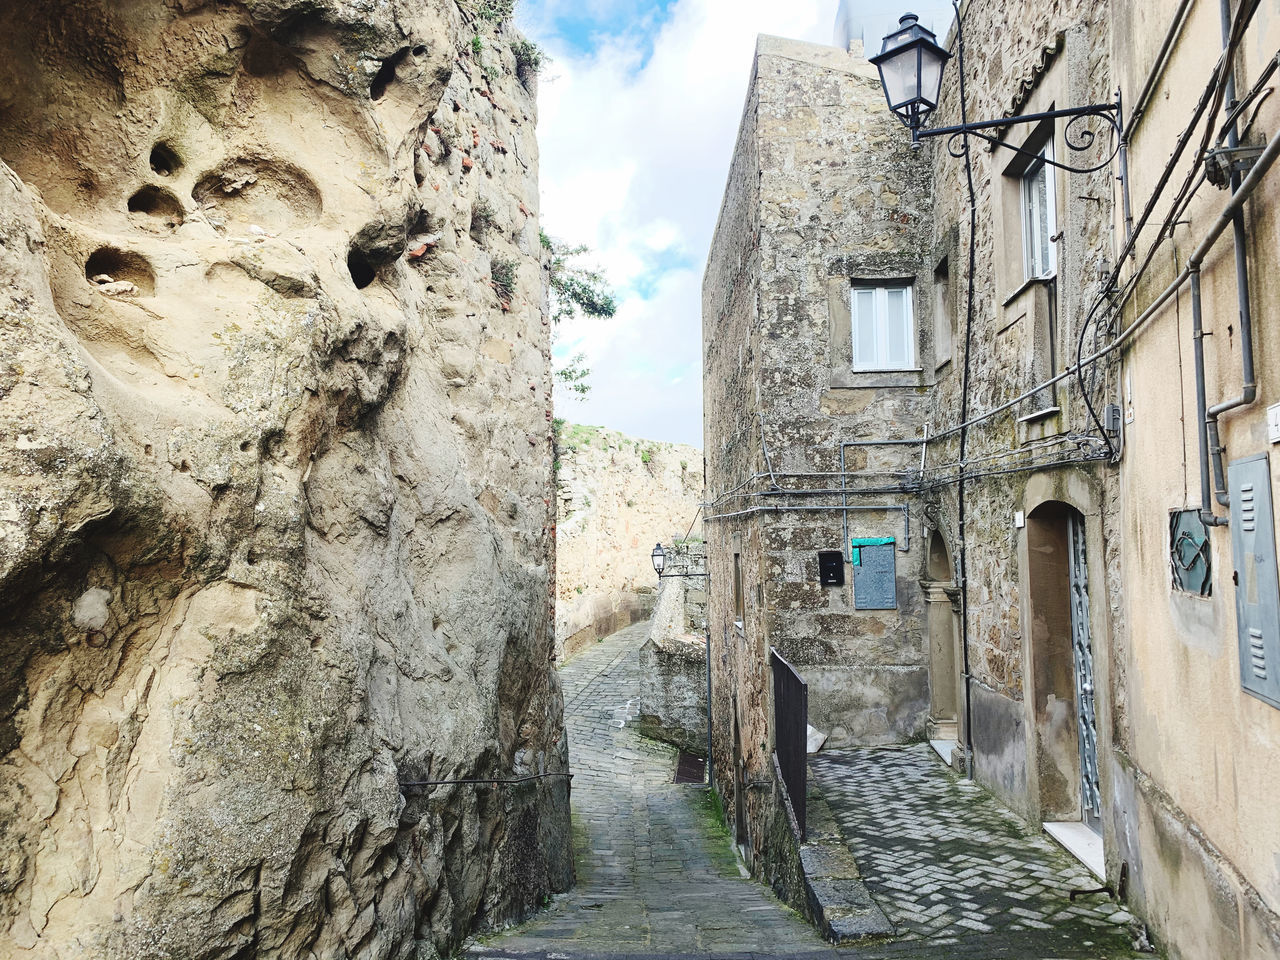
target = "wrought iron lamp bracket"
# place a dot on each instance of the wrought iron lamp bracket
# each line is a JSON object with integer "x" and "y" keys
{"x": 1077, "y": 137}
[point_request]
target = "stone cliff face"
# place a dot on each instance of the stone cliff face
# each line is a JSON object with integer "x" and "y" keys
{"x": 275, "y": 482}
{"x": 617, "y": 497}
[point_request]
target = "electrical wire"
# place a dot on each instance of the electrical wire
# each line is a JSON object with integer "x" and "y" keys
{"x": 488, "y": 781}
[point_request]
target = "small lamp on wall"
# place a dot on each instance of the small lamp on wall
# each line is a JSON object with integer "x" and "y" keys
{"x": 659, "y": 559}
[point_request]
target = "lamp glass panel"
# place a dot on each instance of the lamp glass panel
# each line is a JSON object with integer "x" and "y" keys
{"x": 901, "y": 81}
{"x": 931, "y": 64}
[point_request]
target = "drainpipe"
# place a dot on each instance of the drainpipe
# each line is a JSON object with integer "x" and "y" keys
{"x": 1250, "y": 391}
{"x": 1210, "y": 449}
{"x": 1197, "y": 337}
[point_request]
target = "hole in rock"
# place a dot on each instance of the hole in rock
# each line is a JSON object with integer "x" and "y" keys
{"x": 419, "y": 51}
{"x": 122, "y": 265}
{"x": 386, "y": 75}
{"x": 244, "y": 447}
{"x": 252, "y": 557}
{"x": 164, "y": 160}
{"x": 184, "y": 467}
{"x": 363, "y": 272}
{"x": 263, "y": 57}
{"x": 146, "y": 450}
{"x": 272, "y": 194}
{"x": 155, "y": 202}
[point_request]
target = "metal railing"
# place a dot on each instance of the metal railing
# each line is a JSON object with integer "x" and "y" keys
{"x": 791, "y": 732}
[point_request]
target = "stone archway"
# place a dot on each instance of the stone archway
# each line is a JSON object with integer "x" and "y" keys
{"x": 941, "y": 598}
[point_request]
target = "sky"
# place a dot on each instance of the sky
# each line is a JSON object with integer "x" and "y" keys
{"x": 639, "y": 110}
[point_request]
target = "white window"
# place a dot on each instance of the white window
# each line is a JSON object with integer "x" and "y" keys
{"x": 1039, "y": 217}
{"x": 883, "y": 328}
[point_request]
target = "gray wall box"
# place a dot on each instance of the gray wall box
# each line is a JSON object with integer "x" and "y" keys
{"x": 1253, "y": 546}
{"x": 875, "y": 583}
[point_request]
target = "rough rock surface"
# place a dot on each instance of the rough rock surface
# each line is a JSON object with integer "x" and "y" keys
{"x": 275, "y": 482}
{"x": 617, "y": 497}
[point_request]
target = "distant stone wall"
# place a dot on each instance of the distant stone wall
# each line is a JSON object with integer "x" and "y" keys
{"x": 673, "y": 661}
{"x": 616, "y": 497}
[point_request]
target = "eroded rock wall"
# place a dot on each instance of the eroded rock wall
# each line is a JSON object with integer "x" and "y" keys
{"x": 617, "y": 497}
{"x": 275, "y": 482}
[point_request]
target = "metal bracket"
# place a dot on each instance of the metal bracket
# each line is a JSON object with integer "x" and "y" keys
{"x": 1221, "y": 163}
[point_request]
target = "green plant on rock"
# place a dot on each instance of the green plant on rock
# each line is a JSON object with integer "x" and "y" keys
{"x": 502, "y": 277}
{"x": 646, "y": 456}
{"x": 477, "y": 46}
{"x": 483, "y": 217}
{"x": 574, "y": 290}
{"x": 529, "y": 58}
{"x": 573, "y": 374}
{"x": 495, "y": 11}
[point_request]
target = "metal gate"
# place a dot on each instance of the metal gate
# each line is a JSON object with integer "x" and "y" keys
{"x": 1082, "y": 655}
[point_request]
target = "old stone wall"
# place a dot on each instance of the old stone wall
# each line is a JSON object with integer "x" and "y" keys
{"x": 844, "y": 201}
{"x": 1048, "y": 54}
{"x": 275, "y": 482}
{"x": 673, "y": 660}
{"x": 838, "y": 203}
{"x": 730, "y": 347}
{"x": 616, "y": 497}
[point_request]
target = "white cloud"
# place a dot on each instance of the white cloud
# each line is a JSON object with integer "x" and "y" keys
{"x": 635, "y": 153}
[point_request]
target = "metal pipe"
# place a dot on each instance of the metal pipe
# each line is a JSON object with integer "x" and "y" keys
{"x": 1250, "y": 389}
{"x": 1157, "y": 68}
{"x": 1202, "y": 421}
{"x": 780, "y": 508}
{"x": 706, "y": 627}
{"x": 1124, "y": 172}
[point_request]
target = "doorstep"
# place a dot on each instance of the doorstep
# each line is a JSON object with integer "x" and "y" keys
{"x": 1082, "y": 843}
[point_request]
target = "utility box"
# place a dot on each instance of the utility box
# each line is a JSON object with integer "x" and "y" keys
{"x": 831, "y": 568}
{"x": 875, "y": 578}
{"x": 1253, "y": 546}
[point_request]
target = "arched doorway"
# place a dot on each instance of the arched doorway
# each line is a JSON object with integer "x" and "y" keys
{"x": 1061, "y": 674}
{"x": 943, "y": 620}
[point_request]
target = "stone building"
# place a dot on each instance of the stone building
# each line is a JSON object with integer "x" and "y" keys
{"x": 275, "y": 482}
{"x": 1066, "y": 625}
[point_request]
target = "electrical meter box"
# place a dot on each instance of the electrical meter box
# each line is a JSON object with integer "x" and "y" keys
{"x": 831, "y": 568}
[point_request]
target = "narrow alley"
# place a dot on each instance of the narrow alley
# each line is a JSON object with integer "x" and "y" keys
{"x": 657, "y": 877}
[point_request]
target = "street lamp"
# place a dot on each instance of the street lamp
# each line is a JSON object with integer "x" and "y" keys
{"x": 910, "y": 64}
{"x": 911, "y": 61}
{"x": 659, "y": 557}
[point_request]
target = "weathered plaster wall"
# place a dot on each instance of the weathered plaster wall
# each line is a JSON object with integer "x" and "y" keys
{"x": 1196, "y": 817}
{"x": 274, "y": 499}
{"x": 616, "y": 497}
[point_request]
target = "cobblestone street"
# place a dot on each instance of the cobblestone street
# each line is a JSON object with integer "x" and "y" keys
{"x": 945, "y": 861}
{"x": 657, "y": 877}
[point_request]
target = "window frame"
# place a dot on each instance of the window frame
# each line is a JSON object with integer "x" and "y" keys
{"x": 1042, "y": 165}
{"x": 881, "y": 290}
